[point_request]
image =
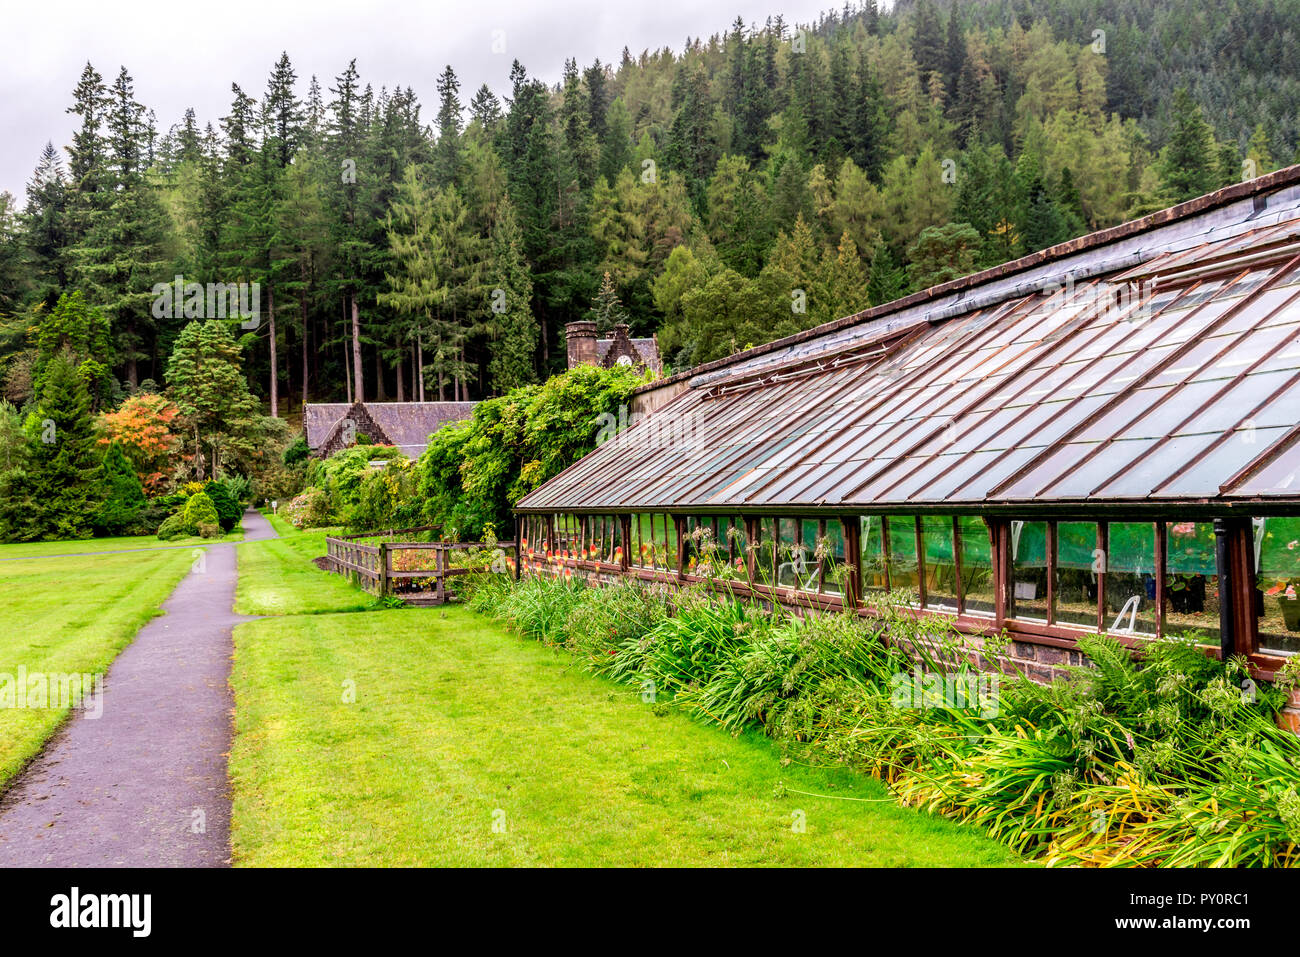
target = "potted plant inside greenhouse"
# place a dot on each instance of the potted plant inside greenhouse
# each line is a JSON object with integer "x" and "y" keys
{"x": 1277, "y": 543}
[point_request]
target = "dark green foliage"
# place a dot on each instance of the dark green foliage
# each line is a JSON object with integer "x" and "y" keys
{"x": 82, "y": 333}
{"x": 122, "y": 508}
{"x": 340, "y": 476}
{"x": 473, "y": 472}
{"x": 717, "y": 148}
{"x": 53, "y": 492}
{"x": 228, "y": 508}
{"x": 1188, "y": 161}
{"x": 386, "y": 499}
{"x": 886, "y": 281}
{"x": 297, "y": 451}
{"x": 942, "y": 253}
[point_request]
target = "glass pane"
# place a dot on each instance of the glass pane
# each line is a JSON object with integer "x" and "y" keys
{"x": 977, "y": 583}
{"x": 658, "y": 542}
{"x": 940, "y": 564}
{"x": 792, "y": 557}
{"x": 872, "y": 546}
{"x": 1027, "y": 596}
{"x": 614, "y": 541}
{"x": 833, "y": 579}
{"x": 1192, "y": 582}
{"x": 562, "y": 535}
{"x": 644, "y": 554}
{"x": 1130, "y": 578}
{"x": 765, "y": 556}
{"x": 670, "y": 552}
{"x": 1277, "y": 558}
{"x": 724, "y": 537}
{"x": 733, "y": 544}
{"x": 1077, "y": 562}
{"x": 902, "y": 555}
{"x": 809, "y": 536}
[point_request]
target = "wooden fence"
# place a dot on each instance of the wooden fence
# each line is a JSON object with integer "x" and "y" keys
{"x": 417, "y": 572}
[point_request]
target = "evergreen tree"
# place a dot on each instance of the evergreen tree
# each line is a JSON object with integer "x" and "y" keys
{"x": 53, "y": 496}
{"x": 205, "y": 379}
{"x": 1187, "y": 163}
{"x": 485, "y": 108}
{"x": 89, "y": 191}
{"x": 282, "y": 113}
{"x": 121, "y": 255}
{"x": 80, "y": 335}
{"x": 886, "y": 281}
{"x": 606, "y": 309}
{"x": 123, "y": 495}
{"x": 942, "y": 253}
{"x": 514, "y": 330}
{"x": 446, "y": 154}
{"x": 46, "y": 226}
{"x": 616, "y": 153}
{"x": 927, "y": 39}
{"x": 228, "y": 510}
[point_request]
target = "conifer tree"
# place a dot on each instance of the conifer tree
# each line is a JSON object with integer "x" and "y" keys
{"x": 886, "y": 281}
{"x": 54, "y": 495}
{"x": 205, "y": 379}
{"x": 123, "y": 495}
{"x": 46, "y": 227}
{"x": 1187, "y": 163}
{"x": 514, "y": 330}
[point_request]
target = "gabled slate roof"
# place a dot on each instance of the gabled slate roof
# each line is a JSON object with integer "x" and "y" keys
{"x": 1158, "y": 361}
{"x": 406, "y": 425}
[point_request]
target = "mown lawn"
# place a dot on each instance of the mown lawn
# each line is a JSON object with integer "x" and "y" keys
{"x": 277, "y": 577}
{"x": 95, "y": 545}
{"x": 457, "y": 726}
{"x": 71, "y": 615}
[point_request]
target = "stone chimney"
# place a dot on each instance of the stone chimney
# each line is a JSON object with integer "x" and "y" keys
{"x": 581, "y": 339}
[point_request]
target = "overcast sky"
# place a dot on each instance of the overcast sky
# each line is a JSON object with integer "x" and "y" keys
{"x": 187, "y": 54}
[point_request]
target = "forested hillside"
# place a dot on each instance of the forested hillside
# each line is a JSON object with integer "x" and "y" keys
{"x": 759, "y": 180}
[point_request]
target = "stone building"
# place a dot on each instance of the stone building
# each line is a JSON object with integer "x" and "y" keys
{"x": 330, "y": 426}
{"x": 585, "y": 349}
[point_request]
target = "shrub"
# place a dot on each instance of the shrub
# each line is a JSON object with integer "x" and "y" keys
{"x": 296, "y": 451}
{"x": 173, "y": 527}
{"x": 276, "y": 484}
{"x": 611, "y": 618}
{"x": 209, "y": 530}
{"x": 386, "y": 499}
{"x": 309, "y": 510}
{"x": 473, "y": 472}
{"x": 199, "y": 510}
{"x": 228, "y": 510}
{"x": 119, "y": 512}
{"x": 240, "y": 487}
{"x": 341, "y": 474}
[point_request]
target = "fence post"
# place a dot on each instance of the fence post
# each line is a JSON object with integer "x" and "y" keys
{"x": 383, "y": 570}
{"x": 440, "y": 567}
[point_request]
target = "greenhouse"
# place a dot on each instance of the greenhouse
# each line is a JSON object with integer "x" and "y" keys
{"x": 1102, "y": 436}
